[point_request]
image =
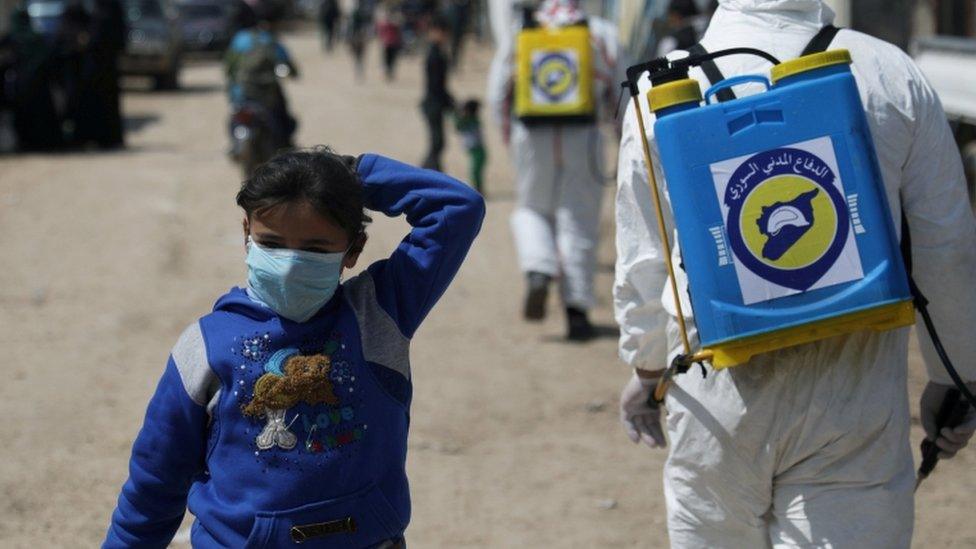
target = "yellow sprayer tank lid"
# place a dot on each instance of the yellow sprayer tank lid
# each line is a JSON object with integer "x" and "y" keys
{"x": 674, "y": 93}
{"x": 809, "y": 63}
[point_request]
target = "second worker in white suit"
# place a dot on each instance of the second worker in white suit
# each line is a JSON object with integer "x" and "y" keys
{"x": 557, "y": 157}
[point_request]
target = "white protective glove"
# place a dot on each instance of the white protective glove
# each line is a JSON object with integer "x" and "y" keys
{"x": 641, "y": 421}
{"x": 951, "y": 439}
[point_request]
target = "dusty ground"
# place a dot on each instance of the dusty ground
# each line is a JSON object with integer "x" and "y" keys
{"x": 106, "y": 257}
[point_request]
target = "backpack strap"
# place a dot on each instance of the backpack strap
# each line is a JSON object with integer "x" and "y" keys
{"x": 712, "y": 73}
{"x": 906, "y": 255}
{"x": 821, "y": 41}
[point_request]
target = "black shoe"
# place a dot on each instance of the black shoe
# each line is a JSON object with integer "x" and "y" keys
{"x": 535, "y": 297}
{"x": 580, "y": 328}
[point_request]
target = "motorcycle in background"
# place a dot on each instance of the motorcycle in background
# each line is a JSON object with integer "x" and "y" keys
{"x": 255, "y": 134}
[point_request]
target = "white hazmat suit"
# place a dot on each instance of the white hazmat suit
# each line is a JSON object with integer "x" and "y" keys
{"x": 807, "y": 446}
{"x": 559, "y": 172}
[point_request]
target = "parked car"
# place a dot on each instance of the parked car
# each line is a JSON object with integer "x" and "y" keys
{"x": 155, "y": 46}
{"x": 207, "y": 25}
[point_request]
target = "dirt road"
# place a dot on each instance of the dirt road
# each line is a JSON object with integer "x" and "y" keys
{"x": 106, "y": 257}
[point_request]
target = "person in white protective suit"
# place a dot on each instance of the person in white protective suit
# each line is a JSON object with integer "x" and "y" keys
{"x": 559, "y": 181}
{"x": 807, "y": 446}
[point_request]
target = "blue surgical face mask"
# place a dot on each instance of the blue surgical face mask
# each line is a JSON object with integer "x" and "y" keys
{"x": 293, "y": 283}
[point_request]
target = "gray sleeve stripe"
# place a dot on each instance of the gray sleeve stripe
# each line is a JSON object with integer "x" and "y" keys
{"x": 383, "y": 343}
{"x": 214, "y": 400}
{"x": 190, "y": 356}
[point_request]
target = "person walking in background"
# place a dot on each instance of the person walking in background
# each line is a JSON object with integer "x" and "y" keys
{"x": 71, "y": 48}
{"x": 388, "y": 31}
{"x": 557, "y": 150}
{"x": 251, "y": 65}
{"x": 357, "y": 36}
{"x": 437, "y": 100}
{"x": 468, "y": 125}
{"x": 329, "y": 16}
{"x": 459, "y": 13}
{"x": 99, "y": 117}
{"x": 28, "y": 85}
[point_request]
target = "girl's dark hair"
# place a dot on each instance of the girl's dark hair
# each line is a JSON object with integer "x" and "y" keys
{"x": 319, "y": 176}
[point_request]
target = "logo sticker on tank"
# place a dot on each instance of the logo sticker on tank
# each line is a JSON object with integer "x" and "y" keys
{"x": 787, "y": 220}
{"x": 555, "y": 77}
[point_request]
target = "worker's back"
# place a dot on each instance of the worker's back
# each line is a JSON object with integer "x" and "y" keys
{"x": 805, "y": 446}
{"x": 919, "y": 161}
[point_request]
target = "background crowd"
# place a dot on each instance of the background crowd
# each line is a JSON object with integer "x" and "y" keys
{"x": 62, "y": 62}
{"x": 62, "y": 87}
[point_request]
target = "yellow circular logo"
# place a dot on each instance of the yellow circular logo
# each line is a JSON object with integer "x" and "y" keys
{"x": 788, "y": 222}
{"x": 555, "y": 76}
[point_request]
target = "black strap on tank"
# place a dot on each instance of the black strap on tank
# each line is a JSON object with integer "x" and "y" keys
{"x": 821, "y": 41}
{"x": 906, "y": 247}
{"x": 712, "y": 73}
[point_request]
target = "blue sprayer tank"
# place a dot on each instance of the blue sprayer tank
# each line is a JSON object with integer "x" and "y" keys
{"x": 785, "y": 231}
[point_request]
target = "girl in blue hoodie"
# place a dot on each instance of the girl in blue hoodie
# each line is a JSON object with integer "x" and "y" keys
{"x": 282, "y": 416}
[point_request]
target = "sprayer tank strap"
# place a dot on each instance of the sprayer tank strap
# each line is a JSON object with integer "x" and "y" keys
{"x": 712, "y": 73}
{"x": 819, "y": 43}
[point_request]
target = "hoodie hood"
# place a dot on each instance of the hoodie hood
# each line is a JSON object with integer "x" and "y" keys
{"x": 238, "y": 302}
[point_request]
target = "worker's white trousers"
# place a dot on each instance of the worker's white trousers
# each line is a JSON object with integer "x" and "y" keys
{"x": 559, "y": 190}
{"x": 805, "y": 447}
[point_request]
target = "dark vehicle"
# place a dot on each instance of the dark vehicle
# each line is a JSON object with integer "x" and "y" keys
{"x": 207, "y": 25}
{"x": 154, "y": 45}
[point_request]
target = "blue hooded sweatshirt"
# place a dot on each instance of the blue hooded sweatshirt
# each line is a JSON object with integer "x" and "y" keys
{"x": 274, "y": 432}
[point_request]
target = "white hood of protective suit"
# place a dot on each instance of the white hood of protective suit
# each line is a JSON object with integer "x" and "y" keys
{"x": 772, "y": 5}
{"x": 775, "y": 12}
{"x": 559, "y": 13}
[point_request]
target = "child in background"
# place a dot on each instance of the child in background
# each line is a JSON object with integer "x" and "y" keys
{"x": 281, "y": 416}
{"x": 388, "y": 31}
{"x": 437, "y": 99}
{"x": 469, "y": 127}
